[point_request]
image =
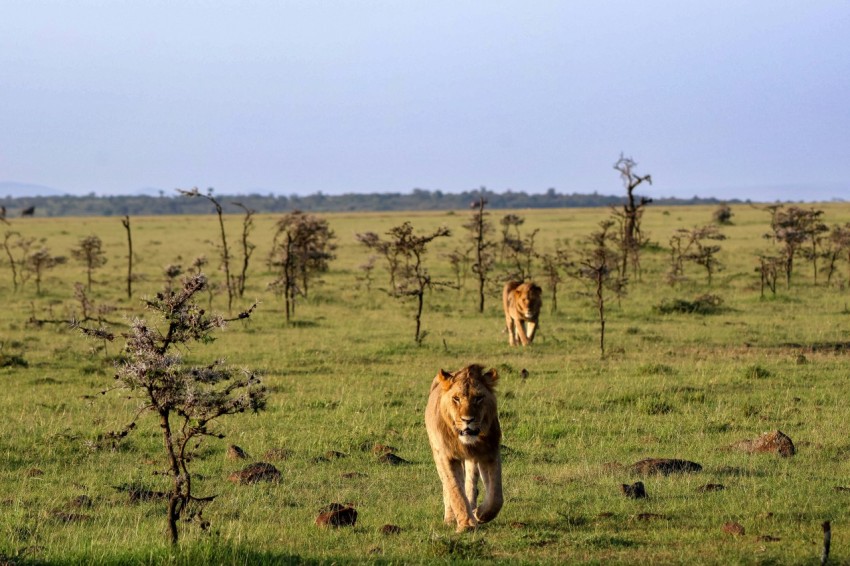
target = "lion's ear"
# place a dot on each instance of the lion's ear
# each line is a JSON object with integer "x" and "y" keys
{"x": 490, "y": 378}
{"x": 445, "y": 379}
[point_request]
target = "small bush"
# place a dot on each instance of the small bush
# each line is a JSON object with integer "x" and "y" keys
{"x": 703, "y": 304}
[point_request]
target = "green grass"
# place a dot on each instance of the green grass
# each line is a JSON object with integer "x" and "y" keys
{"x": 347, "y": 375}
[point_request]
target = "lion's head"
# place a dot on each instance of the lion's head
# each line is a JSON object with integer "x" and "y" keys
{"x": 527, "y": 300}
{"x": 468, "y": 404}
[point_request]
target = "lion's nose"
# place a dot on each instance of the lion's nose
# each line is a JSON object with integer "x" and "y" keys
{"x": 468, "y": 420}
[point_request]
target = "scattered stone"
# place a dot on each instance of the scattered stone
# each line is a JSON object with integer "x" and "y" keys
{"x": 665, "y": 466}
{"x": 635, "y": 491}
{"x": 776, "y": 442}
{"x": 392, "y": 459}
{"x": 34, "y": 473}
{"x": 733, "y": 528}
{"x": 711, "y": 487}
{"x": 337, "y": 515}
{"x": 768, "y": 538}
{"x": 523, "y": 373}
{"x": 390, "y": 530}
{"x": 257, "y": 472}
{"x": 81, "y": 502}
{"x": 277, "y": 454}
{"x": 235, "y": 453}
{"x": 841, "y": 488}
{"x": 380, "y": 449}
{"x": 352, "y": 475}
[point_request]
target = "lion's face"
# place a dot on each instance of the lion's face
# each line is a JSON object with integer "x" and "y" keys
{"x": 468, "y": 402}
{"x": 527, "y": 300}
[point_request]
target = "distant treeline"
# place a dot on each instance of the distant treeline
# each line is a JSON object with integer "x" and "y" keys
{"x": 419, "y": 199}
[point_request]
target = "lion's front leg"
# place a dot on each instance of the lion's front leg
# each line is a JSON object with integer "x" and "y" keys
{"x": 491, "y": 472}
{"x": 460, "y": 505}
{"x": 520, "y": 329}
{"x": 509, "y": 323}
{"x": 530, "y": 329}
{"x": 470, "y": 468}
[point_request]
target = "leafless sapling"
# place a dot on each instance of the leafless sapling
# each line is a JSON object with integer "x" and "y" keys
{"x": 126, "y": 223}
{"x": 480, "y": 228}
{"x": 412, "y": 277}
{"x": 247, "y": 247}
{"x": 186, "y": 400}
{"x": 11, "y": 240}
{"x": 768, "y": 269}
{"x": 225, "y": 252}
{"x": 38, "y": 263}
{"x": 598, "y": 267}
{"x": 703, "y": 253}
{"x": 90, "y": 253}
{"x": 518, "y": 249}
{"x": 552, "y": 265}
{"x": 302, "y": 247}
{"x": 630, "y": 215}
{"x": 837, "y": 247}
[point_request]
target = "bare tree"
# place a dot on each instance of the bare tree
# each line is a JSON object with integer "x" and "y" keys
{"x": 302, "y": 247}
{"x": 39, "y": 263}
{"x": 225, "y": 252}
{"x": 631, "y": 238}
{"x": 11, "y": 241}
{"x": 90, "y": 253}
{"x": 553, "y": 263}
{"x": 126, "y": 223}
{"x": 479, "y": 230}
{"x": 187, "y": 400}
{"x": 598, "y": 266}
{"x": 768, "y": 270}
{"x": 412, "y": 278}
{"x": 518, "y": 249}
{"x": 247, "y": 247}
{"x": 792, "y": 228}
{"x": 837, "y": 247}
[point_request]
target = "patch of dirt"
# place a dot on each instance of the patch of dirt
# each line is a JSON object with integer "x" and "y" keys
{"x": 337, "y": 515}
{"x": 709, "y": 487}
{"x": 733, "y": 528}
{"x": 255, "y": 473}
{"x": 392, "y": 459}
{"x": 634, "y": 491}
{"x": 775, "y": 442}
{"x": 390, "y": 530}
{"x": 236, "y": 453}
{"x": 665, "y": 466}
{"x": 278, "y": 454}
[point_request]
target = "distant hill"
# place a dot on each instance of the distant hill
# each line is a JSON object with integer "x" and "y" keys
{"x": 21, "y": 190}
{"x": 418, "y": 199}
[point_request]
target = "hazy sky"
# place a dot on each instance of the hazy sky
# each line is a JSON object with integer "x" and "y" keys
{"x": 725, "y": 98}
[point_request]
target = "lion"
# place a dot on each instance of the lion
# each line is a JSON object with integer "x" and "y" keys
{"x": 465, "y": 435}
{"x": 521, "y": 302}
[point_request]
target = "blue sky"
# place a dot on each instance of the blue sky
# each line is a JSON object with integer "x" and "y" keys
{"x": 723, "y": 98}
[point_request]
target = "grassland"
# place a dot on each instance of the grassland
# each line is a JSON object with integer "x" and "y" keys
{"x": 346, "y": 374}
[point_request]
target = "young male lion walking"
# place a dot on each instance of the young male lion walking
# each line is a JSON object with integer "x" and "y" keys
{"x": 463, "y": 428}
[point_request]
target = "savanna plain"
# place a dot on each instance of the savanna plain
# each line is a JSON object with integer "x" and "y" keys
{"x": 346, "y": 374}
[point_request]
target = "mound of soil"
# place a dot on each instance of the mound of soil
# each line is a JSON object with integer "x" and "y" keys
{"x": 665, "y": 466}
{"x": 337, "y": 515}
{"x": 775, "y": 442}
{"x": 255, "y": 473}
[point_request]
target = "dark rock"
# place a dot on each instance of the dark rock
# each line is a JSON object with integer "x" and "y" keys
{"x": 337, "y": 515}
{"x": 711, "y": 487}
{"x": 334, "y": 455}
{"x": 257, "y": 472}
{"x": 733, "y": 528}
{"x": 768, "y": 538}
{"x": 774, "y": 442}
{"x": 635, "y": 491}
{"x": 392, "y": 459}
{"x": 665, "y": 466}
{"x": 380, "y": 449}
{"x": 235, "y": 453}
{"x": 390, "y": 530}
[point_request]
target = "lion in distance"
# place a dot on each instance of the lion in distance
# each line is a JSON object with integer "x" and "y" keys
{"x": 521, "y": 302}
{"x": 463, "y": 428}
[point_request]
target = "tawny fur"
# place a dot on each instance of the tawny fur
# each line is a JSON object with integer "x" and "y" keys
{"x": 521, "y": 302}
{"x": 463, "y": 428}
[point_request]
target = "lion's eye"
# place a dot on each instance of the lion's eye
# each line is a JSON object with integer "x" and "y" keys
{"x": 456, "y": 400}
{"x": 477, "y": 399}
